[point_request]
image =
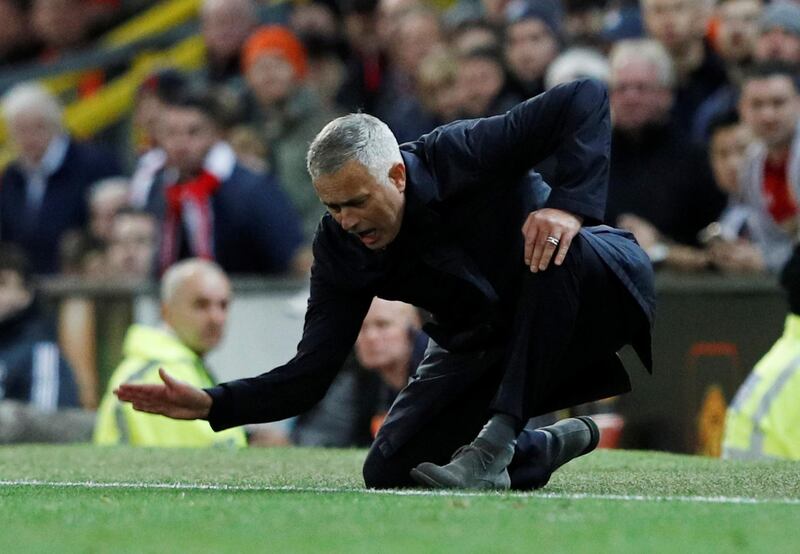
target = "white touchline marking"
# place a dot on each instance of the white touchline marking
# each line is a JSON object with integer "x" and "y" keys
{"x": 397, "y": 492}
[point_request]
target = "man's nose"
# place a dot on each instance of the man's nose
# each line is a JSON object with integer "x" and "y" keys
{"x": 347, "y": 219}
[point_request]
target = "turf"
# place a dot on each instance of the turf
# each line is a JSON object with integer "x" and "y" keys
{"x": 299, "y": 500}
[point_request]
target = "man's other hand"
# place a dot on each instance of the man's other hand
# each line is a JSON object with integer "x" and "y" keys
{"x": 549, "y": 231}
{"x": 174, "y": 399}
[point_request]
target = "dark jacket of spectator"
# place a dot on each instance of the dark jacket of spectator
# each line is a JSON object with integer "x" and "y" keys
{"x": 32, "y": 369}
{"x": 63, "y": 205}
{"x": 255, "y": 227}
{"x": 659, "y": 176}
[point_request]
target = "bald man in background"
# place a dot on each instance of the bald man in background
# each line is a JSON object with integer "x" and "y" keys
{"x": 195, "y": 296}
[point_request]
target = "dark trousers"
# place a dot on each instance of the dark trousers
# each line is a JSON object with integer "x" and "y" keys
{"x": 571, "y": 320}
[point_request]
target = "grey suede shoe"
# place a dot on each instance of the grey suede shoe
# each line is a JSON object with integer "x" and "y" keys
{"x": 475, "y": 466}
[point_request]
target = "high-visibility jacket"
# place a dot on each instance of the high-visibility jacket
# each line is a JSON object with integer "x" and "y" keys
{"x": 763, "y": 421}
{"x": 145, "y": 350}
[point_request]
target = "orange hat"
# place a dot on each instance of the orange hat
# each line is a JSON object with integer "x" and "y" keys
{"x": 275, "y": 39}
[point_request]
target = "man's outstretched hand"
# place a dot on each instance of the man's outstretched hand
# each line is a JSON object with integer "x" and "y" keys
{"x": 557, "y": 225}
{"x": 174, "y": 399}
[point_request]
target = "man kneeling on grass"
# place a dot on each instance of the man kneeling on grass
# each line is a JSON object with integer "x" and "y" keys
{"x": 195, "y": 295}
{"x": 436, "y": 223}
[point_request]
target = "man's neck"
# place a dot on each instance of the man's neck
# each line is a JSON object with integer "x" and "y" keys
{"x": 396, "y": 375}
{"x": 778, "y": 154}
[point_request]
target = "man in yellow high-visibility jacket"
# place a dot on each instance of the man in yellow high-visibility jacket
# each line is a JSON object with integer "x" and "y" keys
{"x": 195, "y": 295}
{"x": 763, "y": 420}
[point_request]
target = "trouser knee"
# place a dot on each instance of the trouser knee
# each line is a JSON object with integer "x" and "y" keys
{"x": 382, "y": 473}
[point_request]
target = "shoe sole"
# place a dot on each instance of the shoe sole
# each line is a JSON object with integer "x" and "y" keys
{"x": 426, "y": 480}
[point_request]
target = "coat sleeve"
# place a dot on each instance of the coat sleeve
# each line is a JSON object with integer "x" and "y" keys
{"x": 333, "y": 320}
{"x": 570, "y": 122}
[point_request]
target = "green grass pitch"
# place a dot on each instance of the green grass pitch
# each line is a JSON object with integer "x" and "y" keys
{"x": 84, "y": 499}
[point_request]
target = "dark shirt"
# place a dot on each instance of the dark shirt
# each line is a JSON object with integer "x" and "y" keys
{"x": 32, "y": 369}
{"x": 256, "y": 228}
{"x": 661, "y": 177}
{"x": 63, "y": 207}
{"x": 700, "y": 84}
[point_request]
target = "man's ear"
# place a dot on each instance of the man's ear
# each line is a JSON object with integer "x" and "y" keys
{"x": 397, "y": 174}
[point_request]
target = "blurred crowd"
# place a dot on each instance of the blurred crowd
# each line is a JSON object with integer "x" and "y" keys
{"x": 210, "y": 163}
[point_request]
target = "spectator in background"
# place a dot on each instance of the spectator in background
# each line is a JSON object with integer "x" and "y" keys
{"x": 770, "y": 178}
{"x": 763, "y": 421}
{"x": 438, "y": 98}
{"x": 38, "y": 393}
{"x": 106, "y": 198}
{"x": 209, "y": 205}
{"x": 195, "y": 297}
{"x": 780, "y": 33}
{"x": 32, "y": 369}
{"x": 366, "y": 68}
{"x": 287, "y": 112}
{"x": 417, "y": 33}
{"x": 737, "y": 33}
{"x": 132, "y": 245}
{"x": 680, "y": 26}
{"x": 45, "y": 189}
{"x": 532, "y": 41}
{"x": 316, "y": 26}
{"x": 388, "y": 350}
{"x": 583, "y": 22}
{"x": 16, "y": 42}
{"x": 82, "y": 250}
{"x": 729, "y": 241}
{"x": 660, "y": 186}
{"x": 224, "y": 26}
{"x": 61, "y": 25}
{"x": 482, "y": 84}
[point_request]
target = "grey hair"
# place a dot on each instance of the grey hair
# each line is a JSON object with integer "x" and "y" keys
{"x": 576, "y": 63}
{"x": 31, "y": 97}
{"x": 646, "y": 50}
{"x": 180, "y": 272}
{"x": 109, "y": 186}
{"x": 360, "y": 137}
{"x": 248, "y": 8}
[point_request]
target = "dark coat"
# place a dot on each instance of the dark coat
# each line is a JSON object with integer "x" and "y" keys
{"x": 63, "y": 207}
{"x": 32, "y": 370}
{"x": 256, "y": 228}
{"x": 459, "y": 253}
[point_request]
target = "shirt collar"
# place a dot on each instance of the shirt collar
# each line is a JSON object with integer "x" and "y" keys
{"x": 54, "y": 156}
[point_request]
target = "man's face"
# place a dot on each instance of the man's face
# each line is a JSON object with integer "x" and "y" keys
{"x": 32, "y": 133}
{"x": 361, "y": 205}
{"x": 674, "y": 23}
{"x": 132, "y": 245}
{"x": 384, "y": 340}
{"x": 225, "y": 27}
{"x": 770, "y": 107}
{"x": 186, "y": 134}
{"x": 637, "y": 99}
{"x": 530, "y": 47}
{"x": 480, "y": 81}
{"x": 13, "y": 294}
{"x": 199, "y": 309}
{"x": 778, "y": 44}
{"x": 738, "y": 28}
{"x": 417, "y": 35}
{"x": 271, "y": 78}
{"x": 727, "y": 148}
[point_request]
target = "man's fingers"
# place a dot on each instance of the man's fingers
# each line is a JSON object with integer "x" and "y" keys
{"x": 169, "y": 381}
{"x": 530, "y": 241}
{"x": 563, "y": 247}
{"x": 549, "y": 246}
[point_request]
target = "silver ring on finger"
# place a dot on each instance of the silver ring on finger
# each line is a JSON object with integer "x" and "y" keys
{"x": 552, "y": 240}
